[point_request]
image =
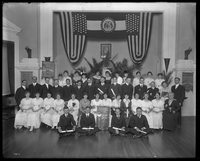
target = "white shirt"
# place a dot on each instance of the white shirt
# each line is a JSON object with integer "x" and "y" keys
{"x": 24, "y": 87}
{"x": 87, "y": 114}
{"x": 147, "y": 82}
{"x": 34, "y": 84}
{"x": 119, "y": 80}
{"x": 176, "y": 86}
{"x": 47, "y": 85}
{"x": 136, "y": 81}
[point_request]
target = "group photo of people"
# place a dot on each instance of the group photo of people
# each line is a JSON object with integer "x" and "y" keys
{"x": 138, "y": 106}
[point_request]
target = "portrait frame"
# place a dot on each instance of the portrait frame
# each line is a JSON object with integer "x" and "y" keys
{"x": 48, "y": 69}
{"x": 106, "y": 50}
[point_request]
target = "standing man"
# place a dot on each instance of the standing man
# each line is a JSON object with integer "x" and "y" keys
{"x": 46, "y": 88}
{"x": 90, "y": 89}
{"x": 67, "y": 90}
{"x": 152, "y": 91}
{"x": 20, "y": 93}
{"x": 114, "y": 89}
{"x": 127, "y": 88}
{"x": 79, "y": 90}
{"x": 179, "y": 95}
{"x": 57, "y": 89}
{"x": 141, "y": 88}
{"x": 34, "y": 87}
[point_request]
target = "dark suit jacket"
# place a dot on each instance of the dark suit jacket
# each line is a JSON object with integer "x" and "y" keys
{"x": 103, "y": 88}
{"x": 66, "y": 122}
{"x": 79, "y": 92}
{"x": 56, "y": 90}
{"x": 45, "y": 90}
{"x": 20, "y": 93}
{"x": 179, "y": 93}
{"x": 33, "y": 90}
{"x": 140, "y": 91}
{"x": 152, "y": 92}
{"x": 127, "y": 89}
{"x": 87, "y": 122}
{"x": 119, "y": 123}
{"x": 91, "y": 91}
{"x": 67, "y": 91}
{"x": 116, "y": 88}
{"x": 141, "y": 122}
{"x": 174, "y": 105}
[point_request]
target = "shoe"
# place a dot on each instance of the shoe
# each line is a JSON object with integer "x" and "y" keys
{"x": 19, "y": 127}
{"x": 136, "y": 136}
{"x": 52, "y": 128}
{"x": 31, "y": 129}
{"x": 120, "y": 134}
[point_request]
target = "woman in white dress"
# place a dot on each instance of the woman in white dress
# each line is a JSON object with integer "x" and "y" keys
{"x": 94, "y": 104}
{"x": 136, "y": 80}
{"x": 61, "y": 81}
{"x": 25, "y": 108}
{"x": 164, "y": 91}
{"x": 148, "y": 79}
{"x": 135, "y": 102}
{"x": 158, "y": 107}
{"x": 58, "y": 108}
{"x": 73, "y": 105}
{"x": 147, "y": 107}
{"x": 48, "y": 111}
{"x": 33, "y": 118}
{"x": 116, "y": 103}
{"x": 66, "y": 76}
{"x": 159, "y": 81}
{"x": 107, "y": 102}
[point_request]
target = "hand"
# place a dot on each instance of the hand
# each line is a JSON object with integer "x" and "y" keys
{"x": 137, "y": 129}
{"x": 143, "y": 128}
{"x": 74, "y": 128}
{"x": 173, "y": 112}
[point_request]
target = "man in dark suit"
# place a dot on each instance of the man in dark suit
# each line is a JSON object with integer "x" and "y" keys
{"x": 90, "y": 89}
{"x": 79, "y": 90}
{"x": 118, "y": 124}
{"x": 20, "y": 93}
{"x": 87, "y": 123}
{"x": 127, "y": 88}
{"x": 141, "y": 88}
{"x": 67, "y": 90}
{"x": 34, "y": 87}
{"x": 114, "y": 89}
{"x": 66, "y": 124}
{"x": 152, "y": 91}
{"x": 138, "y": 125}
{"x": 57, "y": 89}
{"x": 46, "y": 88}
{"x": 179, "y": 95}
{"x": 102, "y": 88}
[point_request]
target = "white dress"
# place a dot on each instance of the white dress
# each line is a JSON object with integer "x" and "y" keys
{"x": 61, "y": 82}
{"x": 58, "y": 106}
{"x": 108, "y": 103}
{"x": 119, "y": 80}
{"x": 163, "y": 92}
{"x": 136, "y": 81}
{"x": 135, "y": 103}
{"x": 147, "y": 82}
{"x": 147, "y": 105}
{"x": 116, "y": 103}
{"x": 94, "y": 109}
{"x": 33, "y": 118}
{"x": 158, "y": 83}
{"x": 74, "y": 106}
{"x": 46, "y": 116}
{"x": 158, "y": 105}
{"x": 21, "y": 116}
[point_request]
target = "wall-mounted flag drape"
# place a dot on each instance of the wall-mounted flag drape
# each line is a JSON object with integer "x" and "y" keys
{"x": 135, "y": 27}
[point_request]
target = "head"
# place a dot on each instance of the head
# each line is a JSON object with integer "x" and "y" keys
{"x": 76, "y": 74}
{"x": 125, "y": 74}
{"x": 60, "y": 76}
{"x": 65, "y": 73}
{"x": 117, "y": 111}
{"x": 85, "y": 96}
{"x": 164, "y": 84}
{"x": 37, "y": 94}
{"x": 102, "y": 79}
{"x": 97, "y": 96}
{"x": 139, "y": 110}
{"x": 27, "y": 94}
{"x": 97, "y": 73}
{"x": 79, "y": 83}
{"x": 146, "y": 96}
{"x": 141, "y": 80}
{"x": 126, "y": 95}
{"x": 83, "y": 75}
{"x": 152, "y": 84}
{"x": 157, "y": 96}
{"x": 87, "y": 110}
{"x": 73, "y": 96}
{"x": 138, "y": 74}
{"x": 117, "y": 74}
{"x": 137, "y": 96}
{"x": 58, "y": 96}
{"x": 105, "y": 96}
{"x": 114, "y": 79}
{"x": 56, "y": 82}
{"x": 149, "y": 74}
{"x": 107, "y": 73}
{"x": 128, "y": 80}
{"x": 160, "y": 75}
{"x": 47, "y": 80}
{"x": 68, "y": 81}
{"x": 118, "y": 97}
{"x": 34, "y": 79}
{"x": 171, "y": 95}
{"x": 66, "y": 110}
{"x": 177, "y": 80}
{"x": 48, "y": 95}
{"x": 89, "y": 80}
{"x": 24, "y": 83}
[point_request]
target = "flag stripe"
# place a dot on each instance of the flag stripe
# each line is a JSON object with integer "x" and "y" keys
{"x": 144, "y": 34}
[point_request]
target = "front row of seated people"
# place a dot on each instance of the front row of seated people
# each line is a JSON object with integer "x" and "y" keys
{"x": 71, "y": 115}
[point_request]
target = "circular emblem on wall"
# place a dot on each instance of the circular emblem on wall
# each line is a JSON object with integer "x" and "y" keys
{"x": 108, "y": 24}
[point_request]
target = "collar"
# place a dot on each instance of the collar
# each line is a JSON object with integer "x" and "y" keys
{"x": 115, "y": 84}
{"x": 141, "y": 84}
{"x": 24, "y": 87}
{"x": 89, "y": 84}
{"x": 56, "y": 86}
{"x": 34, "y": 83}
{"x": 127, "y": 83}
{"x": 139, "y": 116}
{"x": 177, "y": 85}
{"x": 102, "y": 84}
{"x": 66, "y": 115}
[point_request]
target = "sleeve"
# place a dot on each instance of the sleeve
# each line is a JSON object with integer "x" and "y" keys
{"x": 182, "y": 94}
{"x": 177, "y": 106}
{"x": 131, "y": 91}
{"x": 150, "y": 105}
{"x": 82, "y": 122}
{"x": 54, "y": 104}
{"x": 44, "y": 103}
{"x": 21, "y": 103}
{"x": 146, "y": 124}
{"x": 122, "y": 107}
{"x": 112, "y": 122}
{"x": 80, "y": 106}
{"x": 73, "y": 121}
{"x": 77, "y": 104}
{"x": 92, "y": 103}
{"x": 172, "y": 89}
{"x": 60, "y": 121}
{"x": 17, "y": 97}
{"x": 63, "y": 104}
{"x": 120, "y": 89}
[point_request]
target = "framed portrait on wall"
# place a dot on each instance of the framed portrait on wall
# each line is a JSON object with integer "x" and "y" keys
{"x": 105, "y": 51}
{"x": 48, "y": 69}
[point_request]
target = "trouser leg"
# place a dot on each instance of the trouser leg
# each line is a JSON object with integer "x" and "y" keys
{"x": 93, "y": 131}
{"x": 111, "y": 130}
{"x": 80, "y": 130}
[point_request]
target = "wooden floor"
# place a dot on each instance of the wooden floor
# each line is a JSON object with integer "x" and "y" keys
{"x": 45, "y": 143}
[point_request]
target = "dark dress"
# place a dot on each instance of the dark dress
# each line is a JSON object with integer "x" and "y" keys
{"x": 95, "y": 80}
{"x": 140, "y": 90}
{"x": 119, "y": 123}
{"x": 34, "y": 89}
{"x": 127, "y": 89}
{"x": 57, "y": 90}
{"x": 141, "y": 122}
{"x": 179, "y": 95}
{"x": 67, "y": 91}
{"x": 87, "y": 122}
{"x": 170, "y": 118}
{"x": 152, "y": 92}
{"x": 45, "y": 90}
{"x": 117, "y": 90}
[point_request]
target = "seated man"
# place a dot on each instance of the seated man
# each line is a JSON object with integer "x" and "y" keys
{"x": 87, "y": 123}
{"x": 138, "y": 125}
{"x": 66, "y": 124}
{"x": 118, "y": 124}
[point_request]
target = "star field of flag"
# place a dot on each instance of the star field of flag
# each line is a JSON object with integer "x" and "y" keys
{"x": 79, "y": 23}
{"x": 132, "y": 23}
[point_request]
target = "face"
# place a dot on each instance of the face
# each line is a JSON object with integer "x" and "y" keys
{"x": 138, "y": 74}
{"x": 56, "y": 82}
{"x": 176, "y": 81}
{"x": 27, "y": 95}
{"x": 136, "y": 96}
{"x": 66, "y": 111}
{"x": 60, "y": 77}
{"x": 102, "y": 80}
{"x": 114, "y": 80}
{"x": 97, "y": 73}
{"x": 83, "y": 76}
{"x": 89, "y": 80}
{"x": 37, "y": 95}
{"x": 58, "y": 96}
{"x": 73, "y": 96}
{"x": 141, "y": 81}
{"x": 107, "y": 74}
{"x": 87, "y": 110}
{"x": 116, "y": 74}
{"x": 105, "y": 96}
{"x": 85, "y": 96}
{"x": 65, "y": 74}
{"x": 159, "y": 76}
{"x": 157, "y": 96}
{"x": 171, "y": 96}
{"x": 126, "y": 96}
{"x": 149, "y": 75}
{"x": 97, "y": 95}
{"x": 139, "y": 111}
{"x": 128, "y": 80}
{"x": 34, "y": 79}
{"x": 146, "y": 96}
{"x": 47, "y": 80}
{"x": 67, "y": 81}
{"x": 117, "y": 112}
{"x": 152, "y": 84}
{"x": 24, "y": 83}
{"x": 164, "y": 85}
{"x": 125, "y": 74}
{"x": 118, "y": 97}
{"x": 49, "y": 95}
{"x": 79, "y": 83}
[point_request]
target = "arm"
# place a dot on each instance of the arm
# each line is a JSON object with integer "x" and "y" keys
{"x": 182, "y": 95}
